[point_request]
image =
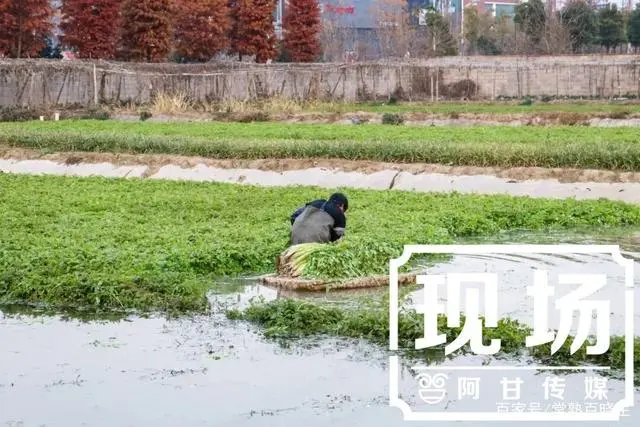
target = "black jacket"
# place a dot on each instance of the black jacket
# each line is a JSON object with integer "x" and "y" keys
{"x": 331, "y": 209}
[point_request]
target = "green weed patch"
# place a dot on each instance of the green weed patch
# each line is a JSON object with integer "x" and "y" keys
{"x": 507, "y": 146}
{"x": 118, "y": 244}
{"x": 291, "y": 319}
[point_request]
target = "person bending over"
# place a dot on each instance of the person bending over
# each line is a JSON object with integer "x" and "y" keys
{"x": 320, "y": 221}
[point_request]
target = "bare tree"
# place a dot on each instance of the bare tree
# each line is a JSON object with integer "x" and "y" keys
{"x": 332, "y": 39}
{"x": 337, "y": 37}
{"x": 394, "y": 32}
{"x": 557, "y": 39}
{"x": 506, "y": 36}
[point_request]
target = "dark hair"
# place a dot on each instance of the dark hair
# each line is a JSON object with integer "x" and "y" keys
{"x": 339, "y": 199}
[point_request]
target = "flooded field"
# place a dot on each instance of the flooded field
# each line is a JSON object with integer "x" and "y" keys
{"x": 212, "y": 371}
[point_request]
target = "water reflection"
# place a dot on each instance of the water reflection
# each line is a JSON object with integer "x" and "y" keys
{"x": 207, "y": 370}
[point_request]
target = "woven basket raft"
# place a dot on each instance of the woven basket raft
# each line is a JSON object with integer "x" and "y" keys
{"x": 297, "y": 283}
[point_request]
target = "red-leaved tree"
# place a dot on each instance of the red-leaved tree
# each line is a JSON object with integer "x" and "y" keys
{"x": 255, "y": 30}
{"x": 91, "y": 27}
{"x": 302, "y": 30}
{"x": 147, "y": 29}
{"x": 201, "y": 28}
{"x": 24, "y": 26}
{"x": 6, "y": 21}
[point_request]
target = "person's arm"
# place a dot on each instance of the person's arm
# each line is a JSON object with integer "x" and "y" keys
{"x": 337, "y": 234}
{"x": 339, "y": 225}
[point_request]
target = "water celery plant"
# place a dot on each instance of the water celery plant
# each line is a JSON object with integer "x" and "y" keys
{"x": 108, "y": 244}
{"x": 482, "y": 146}
{"x": 286, "y": 319}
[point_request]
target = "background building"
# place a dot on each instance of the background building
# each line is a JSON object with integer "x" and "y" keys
{"x": 495, "y": 7}
{"x": 354, "y": 25}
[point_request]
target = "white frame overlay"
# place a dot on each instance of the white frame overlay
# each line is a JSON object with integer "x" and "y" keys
{"x": 482, "y": 249}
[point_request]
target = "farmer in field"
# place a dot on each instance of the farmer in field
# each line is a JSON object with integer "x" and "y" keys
{"x": 320, "y": 221}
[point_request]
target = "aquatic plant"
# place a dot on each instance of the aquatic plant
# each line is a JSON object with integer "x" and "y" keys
{"x": 287, "y": 319}
{"x": 118, "y": 244}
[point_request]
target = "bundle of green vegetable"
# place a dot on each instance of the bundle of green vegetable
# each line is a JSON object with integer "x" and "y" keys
{"x": 347, "y": 258}
{"x": 292, "y": 262}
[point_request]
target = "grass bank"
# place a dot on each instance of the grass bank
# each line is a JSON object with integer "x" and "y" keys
{"x": 181, "y": 104}
{"x": 452, "y": 107}
{"x": 503, "y": 146}
{"x": 291, "y": 319}
{"x": 276, "y": 108}
{"x": 116, "y": 244}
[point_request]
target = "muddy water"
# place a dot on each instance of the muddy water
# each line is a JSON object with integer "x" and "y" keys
{"x": 210, "y": 371}
{"x": 516, "y": 271}
{"x": 381, "y": 180}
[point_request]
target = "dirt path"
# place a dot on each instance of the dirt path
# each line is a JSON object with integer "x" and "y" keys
{"x": 333, "y": 174}
{"x": 154, "y": 162}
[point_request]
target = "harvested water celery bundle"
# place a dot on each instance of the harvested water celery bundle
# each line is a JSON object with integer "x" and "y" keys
{"x": 347, "y": 264}
{"x": 343, "y": 259}
{"x": 292, "y": 261}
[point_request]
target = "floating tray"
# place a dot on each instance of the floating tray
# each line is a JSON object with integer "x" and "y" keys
{"x": 295, "y": 283}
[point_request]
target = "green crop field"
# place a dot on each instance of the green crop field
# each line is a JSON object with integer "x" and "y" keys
{"x": 110, "y": 244}
{"x": 506, "y": 146}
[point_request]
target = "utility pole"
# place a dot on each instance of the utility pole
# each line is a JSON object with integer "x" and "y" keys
{"x": 461, "y": 27}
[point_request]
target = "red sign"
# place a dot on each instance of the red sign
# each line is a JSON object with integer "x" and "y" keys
{"x": 339, "y": 9}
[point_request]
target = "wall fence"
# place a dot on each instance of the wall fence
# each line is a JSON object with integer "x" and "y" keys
{"x": 43, "y": 82}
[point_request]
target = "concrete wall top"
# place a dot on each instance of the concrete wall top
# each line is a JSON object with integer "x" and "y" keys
{"x": 476, "y": 62}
